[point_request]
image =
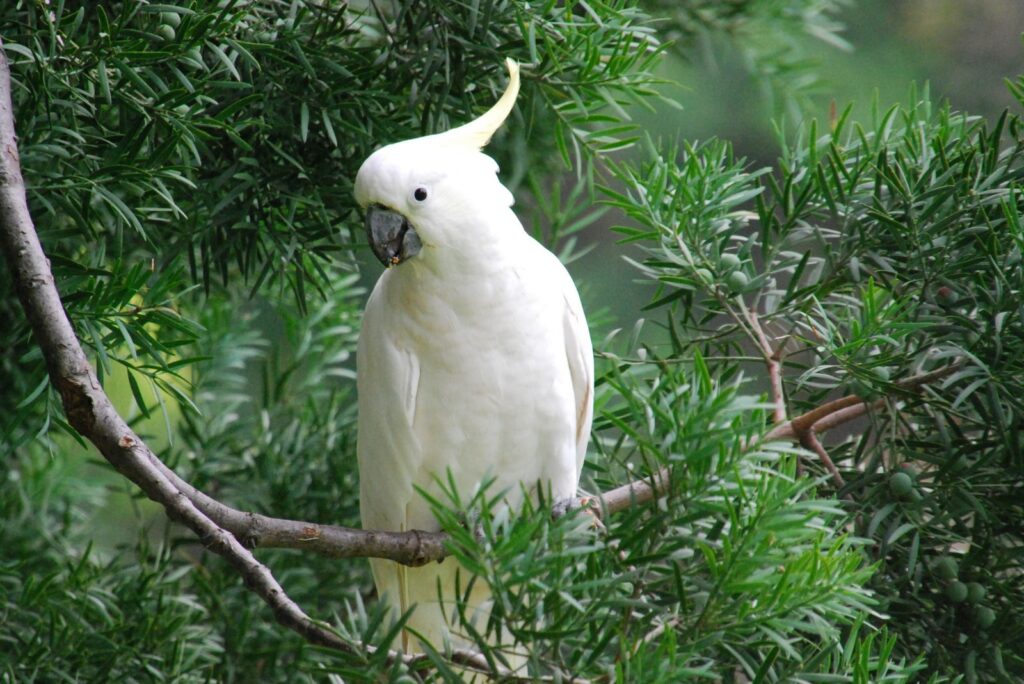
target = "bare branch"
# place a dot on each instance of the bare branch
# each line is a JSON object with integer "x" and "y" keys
{"x": 254, "y": 530}
{"x": 810, "y": 440}
{"x": 632, "y": 494}
{"x": 773, "y": 361}
{"x": 89, "y": 409}
{"x": 845, "y": 409}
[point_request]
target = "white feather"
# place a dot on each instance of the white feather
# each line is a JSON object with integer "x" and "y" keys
{"x": 474, "y": 358}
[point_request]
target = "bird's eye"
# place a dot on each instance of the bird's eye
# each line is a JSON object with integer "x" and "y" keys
{"x": 420, "y": 194}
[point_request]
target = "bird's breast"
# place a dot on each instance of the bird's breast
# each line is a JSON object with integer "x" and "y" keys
{"x": 494, "y": 398}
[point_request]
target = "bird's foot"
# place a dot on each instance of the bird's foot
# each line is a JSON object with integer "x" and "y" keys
{"x": 590, "y": 506}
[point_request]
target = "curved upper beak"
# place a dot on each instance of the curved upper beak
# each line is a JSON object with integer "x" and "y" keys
{"x": 392, "y": 238}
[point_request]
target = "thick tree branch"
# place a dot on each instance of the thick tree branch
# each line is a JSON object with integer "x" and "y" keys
{"x": 88, "y": 408}
{"x": 845, "y": 409}
{"x": 413, "y": 548}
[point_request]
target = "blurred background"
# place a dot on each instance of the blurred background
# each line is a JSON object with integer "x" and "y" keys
{"x": 746, "y": 85}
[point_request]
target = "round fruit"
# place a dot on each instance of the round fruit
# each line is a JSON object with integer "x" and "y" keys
{"x": 901, "y": 484}
{"x": 946, "y": 568}
{"x": 956, "y": 592}
{"x": 172, "y": 18}
{"x": 166, "y": 31}
{"x": 729, "y": 262}
{"x": 737, "y": 280}
{"x": 947, "y": 296}
{"x": 975, "y": 592}
{"x": 881, "y": 373}
{"x": 195, "y": 58}
{"x": 703, "y": 275}
{"x": 985, "y": 616}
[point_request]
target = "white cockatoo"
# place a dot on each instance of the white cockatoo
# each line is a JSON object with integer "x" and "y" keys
{"x": 474, "y": 357}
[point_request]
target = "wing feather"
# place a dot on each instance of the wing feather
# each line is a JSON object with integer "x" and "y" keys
{"x": 389, "y": 453}
{"x": 579, "y": 352}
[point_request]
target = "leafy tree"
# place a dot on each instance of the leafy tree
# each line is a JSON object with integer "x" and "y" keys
{"x": 189, "y": 171}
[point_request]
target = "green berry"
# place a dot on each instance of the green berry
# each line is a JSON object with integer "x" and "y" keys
{"x": 194, "y": 58}
{"x": 956, "y": 592}
{"x": 704, "y": 275}
{"x": 881, "y": 373}
{"x": 975, "y": 592}
{"x": 946, "y": 296}
{"x": 737, "y": 281}
{"x": 171, "y": 18}
{"x": 901, "y": 484}
{"x": 946, "y": 568}
{"x": 729, "y": 262}
{"x": 985, "y": 616}
{"x": 166, "y": 32}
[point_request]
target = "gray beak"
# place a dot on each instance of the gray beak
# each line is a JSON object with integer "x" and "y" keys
{"x": 391, "y": 236}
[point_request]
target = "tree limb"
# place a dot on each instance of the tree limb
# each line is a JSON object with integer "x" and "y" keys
{"x": 845, "y": 409}
{"x": 254, "y": 530}
{"x": 89, "y": 409}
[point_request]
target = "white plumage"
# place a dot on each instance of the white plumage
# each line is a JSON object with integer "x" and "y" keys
{"x": 474, "y": 354}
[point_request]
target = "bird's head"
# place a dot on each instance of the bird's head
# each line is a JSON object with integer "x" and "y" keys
{"x": 424, "y": 192}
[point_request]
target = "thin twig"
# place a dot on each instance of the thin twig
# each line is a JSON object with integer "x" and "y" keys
{"x": 814, "y": 422}
{"x": 845, "y": 409}
{"x": 809, "y": 440}
{"x": 660, "y": 629}
{"x": 773, "y": 361}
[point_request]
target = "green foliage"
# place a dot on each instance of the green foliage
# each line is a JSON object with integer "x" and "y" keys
{"x": 772, "y": 40}
{"x": 740, "y": 564}
{"x": 879, "y": 252}
{"x": 71, "y": 614}
{"x": 189, "y": 168}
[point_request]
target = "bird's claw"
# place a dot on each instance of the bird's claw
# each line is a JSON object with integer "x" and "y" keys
{"x": 589, "y": 505}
